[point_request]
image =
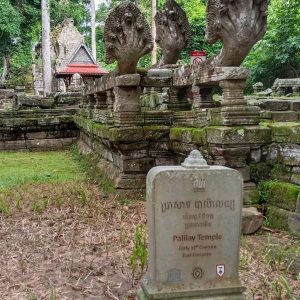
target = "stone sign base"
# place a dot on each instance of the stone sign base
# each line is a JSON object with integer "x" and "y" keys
{"x": 234, "y": 293}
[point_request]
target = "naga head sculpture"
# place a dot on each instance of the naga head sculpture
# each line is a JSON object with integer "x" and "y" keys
{"x": 173, "y": 32}
{"x": 127, "y": 37}
{"x": 239, "y": 24}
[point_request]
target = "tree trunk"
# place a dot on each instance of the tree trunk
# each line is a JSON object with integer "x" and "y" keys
{"x": 93, "y": 27}
{"x": 6, "y": 68}
{"x": 154, "y": 51}
{"x": 46, "y": 47}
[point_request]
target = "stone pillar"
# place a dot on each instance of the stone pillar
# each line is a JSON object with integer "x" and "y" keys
{"x": 127, "y": 105}
{"x": 100, "y": 101}
{"x": 202, "y": 97}
{"x": 110, "y": 99}
{"x": 233, "y": 92}
{"x": 234, "y": 109}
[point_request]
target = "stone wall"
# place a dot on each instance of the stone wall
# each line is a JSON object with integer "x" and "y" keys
{"x": 174, "y": 113}
{"x": 36, "y": 130}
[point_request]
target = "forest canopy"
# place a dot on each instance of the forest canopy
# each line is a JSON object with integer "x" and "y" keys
{"x": 276, "y": 56}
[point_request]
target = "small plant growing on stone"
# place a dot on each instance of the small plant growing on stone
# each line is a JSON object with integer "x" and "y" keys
{"x": 139, "y": 254}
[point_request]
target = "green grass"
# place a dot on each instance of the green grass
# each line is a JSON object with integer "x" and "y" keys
{"x": 18, "y": 168}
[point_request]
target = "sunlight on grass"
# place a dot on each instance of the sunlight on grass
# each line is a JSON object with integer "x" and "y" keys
{"x": 17, "y": 168}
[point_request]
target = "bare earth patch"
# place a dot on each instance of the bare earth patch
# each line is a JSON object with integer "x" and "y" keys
{"x": 67, "y": 241}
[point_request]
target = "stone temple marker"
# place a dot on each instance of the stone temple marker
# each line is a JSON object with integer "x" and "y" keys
{"x": 194, "y": 220}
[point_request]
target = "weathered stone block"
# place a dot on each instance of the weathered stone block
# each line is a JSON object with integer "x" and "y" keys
{"x": 251, "y": 194}
{"x": 35, "y": 135}
{"x": 142, "y": 165}
{"x": 294, "y": 223}
{"x": 182, "y": 148}
{"x": 7, "y": 93}
{"x": 44, "y": 144}
{"x": 295, "y": 105}
{"x": 156, "y": 132}
{"x": 245, "y": 171}
{"x": 15, "y": 145}
{"x": 252, "y": 220}
{"x": 188, "y": 135}
{"x": 295, "y": 179}
{"x": 129, "y": 134}
{"x": 286, "y": 116}
{"x": 238, "y": 135}
{"x": 130, "y": 182}
{"x": 128, "y": 80}
{"x": 156, "y": 82}
{"x": 277, "y": 218}
{"x": 290, "y": 154}
{"x": 234, "y": 115}
{"x": 127, "y": 99}
{"x": 277, "y": 105}
{"x": 285, "y": 132}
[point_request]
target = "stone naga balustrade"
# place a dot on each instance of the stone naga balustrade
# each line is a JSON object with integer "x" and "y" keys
{"x": 136, "y": 119}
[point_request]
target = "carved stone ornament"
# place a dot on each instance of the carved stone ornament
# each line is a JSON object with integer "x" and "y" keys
{"x": 127, "y": 37}
{"x": 240, "y": 24}
{"x": 173, "y": 32}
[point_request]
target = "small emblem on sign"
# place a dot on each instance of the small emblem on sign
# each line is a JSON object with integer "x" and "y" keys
{"x": 198, "y": 273}
{"x": 199, "y": 185}
{"x": 220, "y": 270}
{"x": 174, "y": 276}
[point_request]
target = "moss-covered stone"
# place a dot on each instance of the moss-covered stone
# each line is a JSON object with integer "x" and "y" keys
{"x": 188, "y": 135}
{"x": 128, "y": 134}
{"x": 90, "y": 126}
{"x": 277, "y": 218}
{"x": 251, "y": 197}
{"x": 285, "y": 132}
{"x": 280, "y": 194}
{"x": 238, "y": 135}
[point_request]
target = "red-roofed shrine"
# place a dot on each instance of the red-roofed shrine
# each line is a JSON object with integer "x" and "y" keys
{"x": 82, "y": 63}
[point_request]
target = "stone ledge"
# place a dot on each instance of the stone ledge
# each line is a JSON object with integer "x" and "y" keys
{"x": 255, "y": 135}
{"x": 188, "y": 135}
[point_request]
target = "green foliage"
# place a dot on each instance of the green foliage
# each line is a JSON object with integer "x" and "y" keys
{"x": 139, "y": 254}
{"x": 75, "y": 9}
{"x": 278, "y": 54}
{"x": 10, "y": 26}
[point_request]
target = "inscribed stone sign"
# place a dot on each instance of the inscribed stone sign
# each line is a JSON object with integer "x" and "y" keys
{"x": 194, "y": 219}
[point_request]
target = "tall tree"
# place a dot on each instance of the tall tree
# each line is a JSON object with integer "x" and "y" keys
{"x": 154, "y": 51}
{"x": 46, "y": 47}
{"x": 93, "y": 29}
